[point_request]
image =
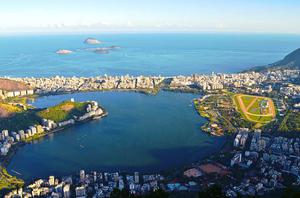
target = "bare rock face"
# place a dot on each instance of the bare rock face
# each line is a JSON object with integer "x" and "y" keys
{"x": 64, "y": 51}
{"x": 92, "y": 41}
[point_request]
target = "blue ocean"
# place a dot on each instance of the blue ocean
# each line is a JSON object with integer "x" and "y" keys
{"x": 140, "y": 54}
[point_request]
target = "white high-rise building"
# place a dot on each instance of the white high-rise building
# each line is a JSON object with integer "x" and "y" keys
{"x": 67, "y": 193}
{"x": 82, "y": 175}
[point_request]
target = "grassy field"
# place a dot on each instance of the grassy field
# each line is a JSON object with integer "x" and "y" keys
{"x": 247, "y": 100}
{"x": 63, "y": 111}
{"x": 250, "y": 108}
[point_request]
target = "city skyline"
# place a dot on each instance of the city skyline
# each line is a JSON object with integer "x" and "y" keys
{"x": 149, "y": 16}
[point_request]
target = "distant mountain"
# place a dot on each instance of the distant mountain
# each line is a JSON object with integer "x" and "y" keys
{"x": 290, "y": 61}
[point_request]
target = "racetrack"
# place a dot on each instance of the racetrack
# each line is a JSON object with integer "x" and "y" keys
{"x": 245, "y": 110}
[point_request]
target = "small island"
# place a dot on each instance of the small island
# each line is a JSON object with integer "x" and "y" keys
{"x": 92, "y": 41}
{"x": 63, "y": 51}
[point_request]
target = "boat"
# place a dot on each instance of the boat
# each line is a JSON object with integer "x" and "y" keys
{"x": 16, "y": 172}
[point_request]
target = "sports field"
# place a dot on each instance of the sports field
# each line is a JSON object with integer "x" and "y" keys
{"x": 256, "y": 109}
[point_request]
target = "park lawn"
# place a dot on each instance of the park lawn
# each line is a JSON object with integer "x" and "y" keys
{"x": 261, "y": 119}
{"x": 63, "y": 111}
{"x": 247, "y": 100}
{"x": 254, "y": 111}
{"x": 256, "y": 104}
{"x": 255, "y": 118}
{"x": 266, "y": 118}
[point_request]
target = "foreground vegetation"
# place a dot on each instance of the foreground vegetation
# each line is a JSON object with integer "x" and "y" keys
{"x": 9, "y": 182}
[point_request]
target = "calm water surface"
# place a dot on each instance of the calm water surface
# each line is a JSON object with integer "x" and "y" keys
{"x": 141, "y": 132}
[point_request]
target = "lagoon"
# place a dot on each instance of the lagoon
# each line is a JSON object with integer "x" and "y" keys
{"x": 141, "y": 133}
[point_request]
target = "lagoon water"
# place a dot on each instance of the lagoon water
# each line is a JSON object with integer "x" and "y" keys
{"x": 142, "y": 132}
{"x": 147, "y": 54}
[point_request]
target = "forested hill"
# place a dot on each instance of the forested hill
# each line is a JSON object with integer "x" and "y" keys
{"x": 290, "y": 61}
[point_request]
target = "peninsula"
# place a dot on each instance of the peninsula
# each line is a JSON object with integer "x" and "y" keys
{"x": 21, "y": 123}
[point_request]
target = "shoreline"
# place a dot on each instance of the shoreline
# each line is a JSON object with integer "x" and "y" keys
{"x": 163, "y": 171}
{"x": 18, "y": 146}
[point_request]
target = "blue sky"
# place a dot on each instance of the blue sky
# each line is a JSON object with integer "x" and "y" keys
{"x": 276, "y": 16}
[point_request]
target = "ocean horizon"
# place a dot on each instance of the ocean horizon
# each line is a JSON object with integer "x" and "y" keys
{"x": 165, "y": 54}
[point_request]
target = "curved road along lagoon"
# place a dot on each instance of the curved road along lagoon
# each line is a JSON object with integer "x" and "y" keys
{"x": 141, "y": 133}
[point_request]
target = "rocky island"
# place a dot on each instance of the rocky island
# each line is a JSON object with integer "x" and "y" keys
{"x": 63, "y": 51}
{"x": 92, "y": 41}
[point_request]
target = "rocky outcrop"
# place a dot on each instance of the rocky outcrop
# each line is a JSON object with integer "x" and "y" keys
{"x": 64, "y": 51}
{"x": 92, "y": 41}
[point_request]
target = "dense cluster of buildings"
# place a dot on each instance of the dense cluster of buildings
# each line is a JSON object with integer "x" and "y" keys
{"x": 252, "y": 82}
{"x": 10, "y": 138}
{"x": 65, "y": 84}
{"x": 7, "y": 94}
{"x": 92, "y": 184}
{"x": 271, "y": 162}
